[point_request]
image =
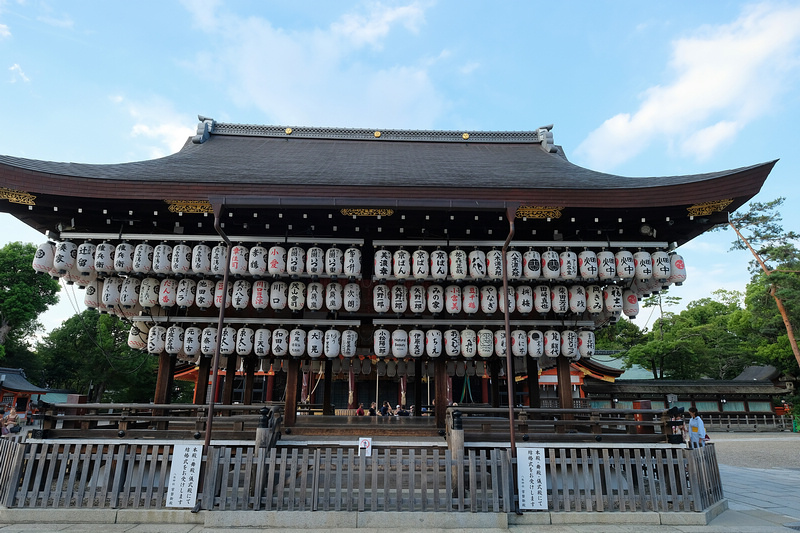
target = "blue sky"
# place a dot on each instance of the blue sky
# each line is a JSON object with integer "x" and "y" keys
{"x": 633, "y": 88}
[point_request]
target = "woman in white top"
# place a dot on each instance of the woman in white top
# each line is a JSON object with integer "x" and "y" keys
{"x": 697, "y": 430}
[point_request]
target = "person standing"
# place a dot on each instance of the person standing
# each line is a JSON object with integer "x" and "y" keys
{"x": 697, "y": 430}
{"x": 360, "y": 410}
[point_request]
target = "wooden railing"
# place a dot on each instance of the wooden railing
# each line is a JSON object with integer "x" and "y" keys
{"x": 580, "y": 477}
{"x": 747, "y": 422}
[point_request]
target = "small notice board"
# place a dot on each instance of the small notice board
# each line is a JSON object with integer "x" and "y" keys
{"x": 531, "y": 479}
{"x": 184, "y": 475}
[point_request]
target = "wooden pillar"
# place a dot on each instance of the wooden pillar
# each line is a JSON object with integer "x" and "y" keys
{"x": 327, "y": 408}
{"x": 166, "y": 371}
{"x": 250, "y": 376}
{"x": 494, "y": 372}
{"x": 534, "y": 398}
{"x": 230, "y": 379}
{"x": 440, "y": 382}
{"x": 564, "y": 383}
{"x": 417, "y": 387}
{"x": 292, "y": 376}
{"x": 270, "y": 388}
{"x": 201, "y": 386}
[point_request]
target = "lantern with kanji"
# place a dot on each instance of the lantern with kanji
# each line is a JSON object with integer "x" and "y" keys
{"x": 416, "y": 343}
{"x": 606, "y": 263}
{"x": 104, "y": 259}
{"x": 181, "y": 259}
{"x": 156, "y": 339}
{"x": 469, "y": 343}
{"x": 204, "y": 297}
{"x": 244, "y": 341}
{"x": 510, "y": 301}
{"x": 417, "y": 299}
{"x": 535, "y": 343}
{"x": 586, "y": 343}
{"x": 352, "y": 262}
{"x": 477, "y": 264}
{"x": 65, "y": 255}
{"x": 420, "y": 264}
{"x": 661, "y": 266}
{"x": 208, "y": 341}
{"x": 149, "y": 292}
{"x": 435, "y": 299}
{"x": 334, "y": 261}
{"x": 201, "y": 259}
{"x": 241, "y": 294}
{"x": 129, "y": 293}
{"x": 297, "y": 295}
{"x": 643, "y": 264}
{"x": 494, "y": 264}
{"x": 559, "y": 296}
{"x": 276, "y": 260}
{"x": 315, "y": 343}
{"x": 333, "y": 296}
{"x": 315, "y": 261}
{"x": 257, "y": 264}
{"x": 569, "y": 265}
{"x": 297, "y": 342}
{"x": 351, "y": 298}
{"x": 470, "y": 299}
{"x": 192, "y": 337}
{"x": 332, "y": 343}
{"x": 612, "y": 298}
{"x": 162, "y": 259}
{"x": 433, "y": 343}
{"x": 280, "y": 342}
{"x": 349, "y": 343}
{"x": 315, "y": 296}
{"x": 111, "y": 289}
{"x": 485, "y": 343}
{"x": 401, "y": 264}
{"x": 262, "y": 342}
{"x": 295, "y": 261}
{"x": 84, "y": 260}
{"x": 452, "y": 299}
{"x": 551, "y": 264}
{"x": 173, "y": 344}
{"x": 239, "y": 260}
{"x": 587, "y": 265}
{"x": 381, "y": 298}
{"x": 500, "y": 342}
{"x": 519, "y": 343}
{"x": 277, "y": 295}
{"x": 552, "y": 343}
{"x": 221, "y": 291}
{"x": 489, "y": 299}
{"x": 542, "y": 299}
{"x": 458, "y": 264}
{"x": 439, "y": 264}
{"x": 577, "y": 299}
{"x": 452, "y": 342}
{"x": 399, "y": 297}
{"x": 625, "y": 265}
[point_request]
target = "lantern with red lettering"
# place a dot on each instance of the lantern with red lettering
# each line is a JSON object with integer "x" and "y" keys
{"x": 276, "y": 260}
{"x": 65, "y": 255}
{"x": 334, "y": 261}
{"x": 586, "y": 343}
{"x": 587, "y": 265}
{"x": 262, "y": 342}
{"x": 477, "y": 264}
{"x": 469, "y": 343}
{"x": 277, "y": 295}
{"x": 577, "y": 299}
{"x": 129, "y": 293}
{"x": 156, "y": 339}
{"x": 535, "y": 343}
{"x": 204, "y": 298}
{"x": 626, "y": 268}
{"x": 399, "y": 343}
{"x": 349, "y": 343}
{"x": 295, "y": 261}
{"x": 399, "y": 299}
{"x": 489, "y": 298}
{"x": 420, "y": 264}
{"x": 607, "y": 265}
{"x": 162, "y": 259}
{"x": 519, "y": 343}
{"x": 439, "y": 264}
{"x": 241, "y": 294}
{"x": 416, "y": 343}
{"x": 43, "y": 258}
{"x": 257, "y": 264}
{"x": 435, "y": 299}
{"x": 221, "y": 291}
{"x": 84, "y": 260}
{"x": 351, "y": 298}
{"x": 280, "y": 342}
{"x": 239, "y": 260}
{"x": 297, "y": 295}
{"x": 470, "y": 299}
{"x": 138, "y": 335}
{"x": 458, "y": 264}
{"x": 630, "y": 304}
{"x": 401, "y": 264}
{"x": 332, "y": 343}
{"x": 677, "y": 269}
{"x": 552, "y": 343}
{"x": 244, "y": 341}
{"x": 452, "y": 299}
{"x": 433, "y": 343}
{"x": 333, "y": 296}
{"x": 167, "y": 292}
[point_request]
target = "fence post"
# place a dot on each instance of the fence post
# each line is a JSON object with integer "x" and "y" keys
{"x": 263, "y": 430}
{"x": 455, "y": 443}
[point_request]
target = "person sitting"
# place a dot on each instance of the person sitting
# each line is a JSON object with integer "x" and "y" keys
{"x": 11, "y": 423}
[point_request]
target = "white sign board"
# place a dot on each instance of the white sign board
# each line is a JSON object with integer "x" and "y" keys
{"x": 531, "y": 478}
{"x": 184, "y": 475}
{"x": 365, "y": 446}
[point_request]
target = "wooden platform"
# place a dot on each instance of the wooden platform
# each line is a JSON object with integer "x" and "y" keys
{"x": 379, "y": 426}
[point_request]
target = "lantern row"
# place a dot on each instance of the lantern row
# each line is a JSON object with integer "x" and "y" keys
{"x": 331, "y": 343}
{"x": 81, "y": 263}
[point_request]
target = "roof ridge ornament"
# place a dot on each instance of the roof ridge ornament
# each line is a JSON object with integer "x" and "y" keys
{"x": 546, "y": 135}
{"x": 204, "y": 129}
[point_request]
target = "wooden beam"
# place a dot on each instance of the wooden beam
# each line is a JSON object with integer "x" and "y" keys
{"x": 327, "y": 408}
{"x": 292, "y": 375}
{"x": 534, "y": 396}
{"x": 201, "y": 385}
{"x": 440, "y": 395}
{"x": 230, "y": 379}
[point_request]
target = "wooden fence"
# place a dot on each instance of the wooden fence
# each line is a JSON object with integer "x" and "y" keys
{"x": 747, "y": 422}
{"x": 580, "y": 477}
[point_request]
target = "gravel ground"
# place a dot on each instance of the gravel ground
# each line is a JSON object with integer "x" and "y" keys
{"x": 758, "y": 450}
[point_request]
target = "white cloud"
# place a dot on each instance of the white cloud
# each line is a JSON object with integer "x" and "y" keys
{"x": 725, "y": 77}
{"x": 17, "y": 74}
{"x": 156, "y": 122}
{"x": 318, "y": 76}
{"x": 4, "y": 31}
{"x": 469, "y": 68}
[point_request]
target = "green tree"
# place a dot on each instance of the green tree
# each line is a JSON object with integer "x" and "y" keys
{"x": 90, "y": 353}
{"x": 24, "y": 295}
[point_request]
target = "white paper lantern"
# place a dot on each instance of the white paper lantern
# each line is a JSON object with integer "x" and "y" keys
{"x": 643, "y": 265}
{"x": 551, "y": 265}
{"x": 104, "y": 258}
{"x": 531, "y": 264}
{"x": 276, "y": 260}
{"x": 477, "y": 264}
{"x": 485, "y": 343}
{"x": 111, "y": 289}
{"x": 612, "y": 298}
{"x": 91, "y": 297}
{"x": 494, "y": 264}
{"x": 349, "y": 343}
{"x": 351, "y": 299}
{"x": 332, "y": 343}
{"x": 352, "y": 262}
{"x": 515, "y": 264}
{"x": 208, "y": 341}
{"x": 469, "y": 343}
{"x": 661, "y": 266}
{"x": 173, "y": 344}
{"x": 586, "y": 344}
{"x": 452, "y": 299}
{"x": 381, "y": 342}
{"x": 524, "y": 297}
{"x": 181, "y": 259}
{"x": 511, "y": 301}
{"x": 569, "y": 265}
{"x": 201, "y": 259}
{"x": 241, "y": 294}
{"x": 458, "y": 264}
{"x": 542, "y": 299}
{"x": 452, "y": 342}
{"x": 587, "y": 265}
{"x": 297, "y": 295}
{"x": 381, "y": 298}
{"x": 577, "y": 299}
{"x": 315, "y": 296}
{"x": 334, "y": 262}
{"x": 138, "y": 335}
{"x": 594, "y": 299}
{"x": 559, "y": 296}
{"x": 167, "y": 292}
{"x": 416, "y": 343}
{"x": 277, "y": 295}
{"x": 399, "y": 297}
{"x": 607, "y": 265}
{"x": 399, "y": 343}
{"x": 677, "y": 269}
{"x": 435, "y": 299}
{"x": 417, "y": 299}
{"x": 297, "y": 342}
{"x": 43, "y": 258}
{"x": 433, "y": 343}
{"x": 221, "y": 291}
{"x": 630, "y": 304}
{"x": 315, "y": 261}
{"x": 129, "y": 292}
{"x": 500, "y": 342}
{"x": 162, "y": 259}
{"x": 156, "y": 339}
{"x": 149, "y": 292}
{"x": 65, "y": 255}
{"x": 280, "y": 342}
{"x": 401, "y": 264}
{"x": 420, "y": 264}
{"x": 192, "y": 337}
{"x": 552, "y": 343}
{"x": 85, "y": 259}
{"x": 470, "y": 299}
{"x": 439, "y": 264}
{"x": 295, "y": 261}
{"x": 519, "y": 343}
{"x": 569, "y": 344}
{"x": 262, "y": 342}
{"x": 257, "y": 265}
{"x": 626, "y": 268}
{"x": 314, "y": 343}
{"x": 333, "y": 296}
{"x": 244, "y": 341}
{"x": 489, "y": 299}
{"x": 239, "y": 265}
{"x": 535, "y": 343}
{"x": 204, "y": 298}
